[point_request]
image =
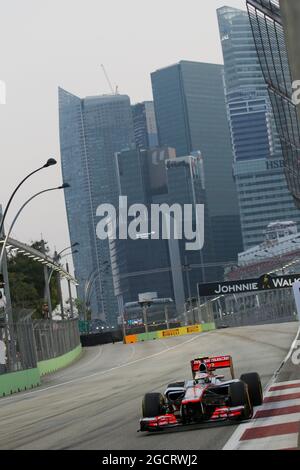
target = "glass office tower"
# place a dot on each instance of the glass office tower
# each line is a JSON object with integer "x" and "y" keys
{"x": 92, "y": 129}
{"x": 259, "y": 168}
{"x": 275, "y": 27}
{"x": 252, "y": 125}
{"x": 191, "y": 116}
{"x": 144, "y": 123}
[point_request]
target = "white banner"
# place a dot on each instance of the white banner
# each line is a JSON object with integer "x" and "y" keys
{"x": 296, "y": 291}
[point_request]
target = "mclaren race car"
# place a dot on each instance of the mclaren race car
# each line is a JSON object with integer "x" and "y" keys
{"x": 208, "y": 397}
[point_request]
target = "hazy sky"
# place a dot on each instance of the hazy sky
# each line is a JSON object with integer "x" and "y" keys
{"x": 51, "y": 43}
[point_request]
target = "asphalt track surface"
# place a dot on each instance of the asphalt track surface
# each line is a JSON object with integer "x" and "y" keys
{"x": 96, "y": 402}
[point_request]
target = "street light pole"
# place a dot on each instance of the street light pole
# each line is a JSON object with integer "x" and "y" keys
{"x": 187, "y": 269}
{"x": 65, "y": 185}
{"x": 3, "y": 251}
{"x": 70, "y": 293}
{"x": 58, "y": 283}
{"x": 47, "y": 286}
{"x": 67, "y": 254}
{"x": 8, "y": 313}
{"x": 50, "y": 162}
{"x": 91, "y": 280}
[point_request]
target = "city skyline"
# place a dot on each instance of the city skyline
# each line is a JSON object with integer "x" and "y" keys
{"x": 42, "y": 68}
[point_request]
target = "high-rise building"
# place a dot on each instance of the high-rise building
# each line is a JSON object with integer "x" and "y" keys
{"x": 263, "y": 196}
{"x": 252, "y": 125}
{"x": 145, "y": 130}
{"x": 275, "y": 27}
{"x": 151, "y": 262}
{"x": 259, "y": 168}
{"x": 142, "y": 264}
{"x": 92, "y": 129}
{"x": 191, "y": 116}
{"x": 185, "y": 182}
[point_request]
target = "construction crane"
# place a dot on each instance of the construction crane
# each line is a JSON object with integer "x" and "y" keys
{"x": 114, "y": 92}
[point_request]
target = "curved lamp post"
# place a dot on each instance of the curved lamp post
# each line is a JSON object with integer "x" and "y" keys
{"x": 3, "y": 251}
{"x": 57, "y": 259}
{"x": 65, "y": 185}
{"x": 67, "y": 248}
{"x": 50, "y": 162}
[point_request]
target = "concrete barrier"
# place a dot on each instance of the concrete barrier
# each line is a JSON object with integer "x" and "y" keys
{"x": 13, "y": 382}
{"x": 51, "y": 365}
{"x": 182, "y": 330}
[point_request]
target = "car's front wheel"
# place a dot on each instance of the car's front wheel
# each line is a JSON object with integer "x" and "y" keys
{"x": 153, "y": 405}
{"x": 254, "y": 387}
{"x": 239, "y": 396}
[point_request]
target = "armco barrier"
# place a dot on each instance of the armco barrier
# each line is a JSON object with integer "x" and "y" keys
{"x": 51, "y": 365}
{"x": 13, "y": 382}
{"x": 182, "y": 330}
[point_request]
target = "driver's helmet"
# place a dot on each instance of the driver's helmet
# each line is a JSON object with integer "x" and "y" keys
{"x": 202, "y": 377}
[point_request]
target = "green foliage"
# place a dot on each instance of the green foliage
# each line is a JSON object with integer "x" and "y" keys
{"x": 83, "y": 312}
{"x": 26, "y": 278}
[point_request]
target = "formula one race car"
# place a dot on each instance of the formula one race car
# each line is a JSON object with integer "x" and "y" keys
{"x": 206, "y": 398}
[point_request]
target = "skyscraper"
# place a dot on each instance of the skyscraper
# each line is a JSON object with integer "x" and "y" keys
{"x": 259, "y": 168}
{"x": 253, "y": 130}
{"x": 142, "y": 264}
{"x": 92, "y": 129}
{"x": 275, "y": 27}
{"x": 191, "y": 116}
{"x": 145, "y": 130}
{"x": 156, "y": 264}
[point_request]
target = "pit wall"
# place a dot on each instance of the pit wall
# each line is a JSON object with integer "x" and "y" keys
{"x": 183, "y": 330}
{"x": 14, "y": 382}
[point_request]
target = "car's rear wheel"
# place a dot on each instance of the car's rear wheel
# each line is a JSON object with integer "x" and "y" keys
{"x": 239, "y": 396}
{"x": 153, "y": 405}
{"x": 254, "y": 387}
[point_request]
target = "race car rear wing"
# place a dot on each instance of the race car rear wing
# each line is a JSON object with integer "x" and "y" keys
{"x": 212, "y": 363}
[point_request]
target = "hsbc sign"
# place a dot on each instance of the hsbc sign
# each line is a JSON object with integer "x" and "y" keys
{"x": 263, "y": 283}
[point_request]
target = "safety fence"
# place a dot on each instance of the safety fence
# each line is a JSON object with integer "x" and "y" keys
{"x": 55, "y": 338}
{"x": 25, "y": 344}
{"x": 276, "y": 306}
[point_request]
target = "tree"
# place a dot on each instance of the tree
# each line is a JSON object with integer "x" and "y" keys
{"x": 27, "y": 284}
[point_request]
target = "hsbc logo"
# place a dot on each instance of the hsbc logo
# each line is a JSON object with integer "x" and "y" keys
{"x": 275, "y": 164}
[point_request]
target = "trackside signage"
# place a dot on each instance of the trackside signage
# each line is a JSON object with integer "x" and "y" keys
{"x": 265, "y": 282}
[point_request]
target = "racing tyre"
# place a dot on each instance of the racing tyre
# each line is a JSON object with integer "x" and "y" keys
{"x": 152, "y": 405}
{"x": 254, "y": 387}
{"x": 240, "y": 397}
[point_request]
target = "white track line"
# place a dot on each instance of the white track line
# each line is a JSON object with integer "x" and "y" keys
{"x": 269, "y": 421}
{"x": 279, "y": 393}
{"x": 284, "y": 441}
{"x": 83, "y": 365}
{"x": 278, "y": 404}
{"x": 234, "y": 440}
{"x": 276, "y": 373}
{"x": 95, "y": 374}
{"x": 288, "y": 382}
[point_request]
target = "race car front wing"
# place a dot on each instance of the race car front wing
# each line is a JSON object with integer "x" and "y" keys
{"x": 167, "y": 421}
